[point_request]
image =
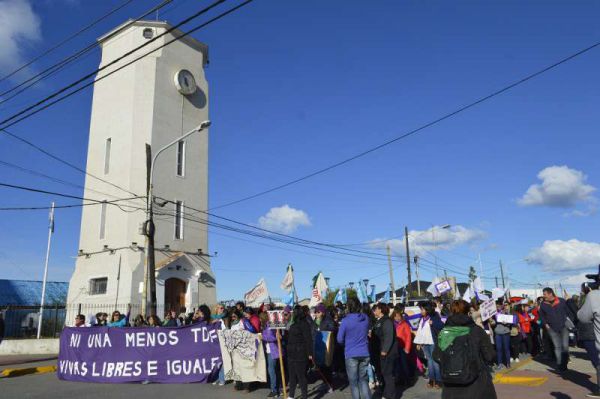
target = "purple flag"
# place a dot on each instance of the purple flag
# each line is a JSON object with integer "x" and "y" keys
{"x": 118, "y": 355}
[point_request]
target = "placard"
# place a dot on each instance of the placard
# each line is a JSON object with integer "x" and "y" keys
{"x": 505, "y": 318}
{"x": 443, "y": 287}
{"x": 276, "y": 320}
{"x": 487, "y": 309}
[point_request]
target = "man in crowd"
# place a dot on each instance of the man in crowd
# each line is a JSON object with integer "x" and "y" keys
{"x": 554, "y": 314}
{"x": 590, "y": 312}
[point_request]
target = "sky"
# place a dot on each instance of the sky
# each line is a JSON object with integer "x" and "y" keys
{"x": 296, "y": 86}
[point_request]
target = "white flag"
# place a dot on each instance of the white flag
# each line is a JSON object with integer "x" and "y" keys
{"x": 498, "y": 293}
{"x": 432, "y": 289}
{"x": 288, "y": 281}
{"x": 318, "y": 291}
{"x": 257, "y": 295}
{"x": 478, "y": 285}
{"x": 468, "y": 294}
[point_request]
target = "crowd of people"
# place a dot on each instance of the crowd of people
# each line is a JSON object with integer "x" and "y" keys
{"x": 378, "y": 347}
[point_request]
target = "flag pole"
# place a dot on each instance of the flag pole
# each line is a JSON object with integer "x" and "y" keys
{"x": 278, "y": 334}
{"x": 50, "y": 231}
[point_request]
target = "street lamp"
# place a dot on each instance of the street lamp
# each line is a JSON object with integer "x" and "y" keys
{"x": 149, "y": 228}
{"x": 446, "y": 226}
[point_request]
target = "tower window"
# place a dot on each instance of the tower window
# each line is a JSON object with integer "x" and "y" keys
{"x": 178, "y": 220}
{"x": 102, "y": 220}
{"x": 98, "y": 286}
{"x": 107, "y": 156}
{"x": 181, "y": 158}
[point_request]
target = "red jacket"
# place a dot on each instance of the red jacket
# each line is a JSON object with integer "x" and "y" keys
{"x": 404, "y": 336}
{"x": 525, "y": 322}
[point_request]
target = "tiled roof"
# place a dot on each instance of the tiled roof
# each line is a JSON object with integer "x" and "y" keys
{"x": 23, "y": 292}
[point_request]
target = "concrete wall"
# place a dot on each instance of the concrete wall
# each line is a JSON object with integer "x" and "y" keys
{"x": 48, "y": 346}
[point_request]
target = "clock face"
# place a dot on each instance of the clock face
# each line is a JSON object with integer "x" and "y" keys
{"x": 185, "y": 82}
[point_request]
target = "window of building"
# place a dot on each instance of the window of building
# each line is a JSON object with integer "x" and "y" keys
{"x": 102, "y": 220}
{"x": 181, "y": 158}
{"x": 98, "y": 286}
{"x": 107, "y": 155}
{"x": 178, "y": 220}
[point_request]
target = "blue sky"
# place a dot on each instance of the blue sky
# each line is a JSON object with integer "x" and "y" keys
{"x": 298, "y": 85}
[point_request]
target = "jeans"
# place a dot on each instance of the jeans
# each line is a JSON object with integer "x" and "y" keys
{"x": 433, "y": 368}
{"x": 222, "y": 375}
{"x": 502, "y": 349}
{"x": 560, "y": 340}
{"x": 590, "y": 348}
{"x": 272, "y": 370}
{"x": 356, "y": 368}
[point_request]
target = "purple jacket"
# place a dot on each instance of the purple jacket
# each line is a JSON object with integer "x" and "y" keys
{"x": 353, "y": 334}
{"x": 270, "y": 338}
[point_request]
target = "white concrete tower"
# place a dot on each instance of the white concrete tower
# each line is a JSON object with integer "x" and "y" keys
{"x": 153, "y": 101}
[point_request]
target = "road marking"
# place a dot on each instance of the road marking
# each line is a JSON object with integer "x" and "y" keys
{"x": 7, "y": 373}
{"x": 522, "y": 381}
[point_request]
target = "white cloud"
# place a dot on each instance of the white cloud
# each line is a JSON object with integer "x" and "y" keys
{"x": 284, "y": 219}
{"x": 19, "y": 27}
{"x": 559, "y": 256}
{"x": 560, "y": 187}
{"x": 433, "y": 239}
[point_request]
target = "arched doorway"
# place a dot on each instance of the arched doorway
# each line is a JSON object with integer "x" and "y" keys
{"x": 174, "y": 294}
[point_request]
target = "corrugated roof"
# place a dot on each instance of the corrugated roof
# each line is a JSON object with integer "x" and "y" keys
{"x": 24, "y": 292}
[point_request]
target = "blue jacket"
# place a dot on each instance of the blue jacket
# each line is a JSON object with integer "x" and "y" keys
{"x": 123, "y": 322}
{"x": 353, "y": 334}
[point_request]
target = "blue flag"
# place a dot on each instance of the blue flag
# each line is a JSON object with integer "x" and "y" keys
{"x": 386, "y": 296}
{"x": 372, "y": 295}
{"x": 290, "y": 299}
{"x": 341, "y": 296}
{"x": 361, "y": 292}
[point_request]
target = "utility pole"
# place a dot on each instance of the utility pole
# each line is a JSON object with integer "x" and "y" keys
{"x": 502, "y": 274}
{"x": 149, "y": 228}
{"x": 417, "y": 272}
{"x": 445, "y": 274}
{"x": 389, "y": 254}
{"x": 50, "y": 232}
{"x": 407, "y": 263}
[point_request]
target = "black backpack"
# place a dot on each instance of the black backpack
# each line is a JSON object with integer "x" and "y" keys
{"x": 460, "y": 363}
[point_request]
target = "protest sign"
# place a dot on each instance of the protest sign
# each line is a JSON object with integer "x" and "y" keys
{"x": 505, "y": 318}
{"x": 443, "y": 287}
{"x": 276, "y": 319}
{"x": 413, "y": 316}
{"x": 118, "y": 355}
{"x": 243, "y": 356}
{"x": 488, "y": 309}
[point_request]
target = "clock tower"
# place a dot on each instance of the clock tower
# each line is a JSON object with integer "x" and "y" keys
{"x": 135, "y": 112}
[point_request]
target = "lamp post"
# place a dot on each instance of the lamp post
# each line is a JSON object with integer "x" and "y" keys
{"x": 149, "y": 228}
{"x": 446, "y": 226}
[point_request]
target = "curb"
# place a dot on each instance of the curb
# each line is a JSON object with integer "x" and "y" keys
{"x": 9, "y": 373}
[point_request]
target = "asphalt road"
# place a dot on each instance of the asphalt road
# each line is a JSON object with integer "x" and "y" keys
{"x": 529, "y": 379}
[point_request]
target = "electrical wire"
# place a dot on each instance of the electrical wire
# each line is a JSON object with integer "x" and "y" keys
{"x": 37, "y": 190}
{"x": 71, "y": 37}
{"x": 57, "y": 67}
{"x": 414, "y": 131}
{"x": 14, "y": 117}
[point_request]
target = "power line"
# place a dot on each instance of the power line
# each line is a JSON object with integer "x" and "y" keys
{"x": 37, "y": 190}
{"x": 14, "y": 117}
{"x": 51, "y": 178}
{"x": 71, "y": 37}
{"x": 57, "y": 67}
{"x": 59, "y": 159}
{"x": 414, "y": 131}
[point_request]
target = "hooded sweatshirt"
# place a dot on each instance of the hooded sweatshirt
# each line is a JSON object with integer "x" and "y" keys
{"x": 353, "y": 334}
